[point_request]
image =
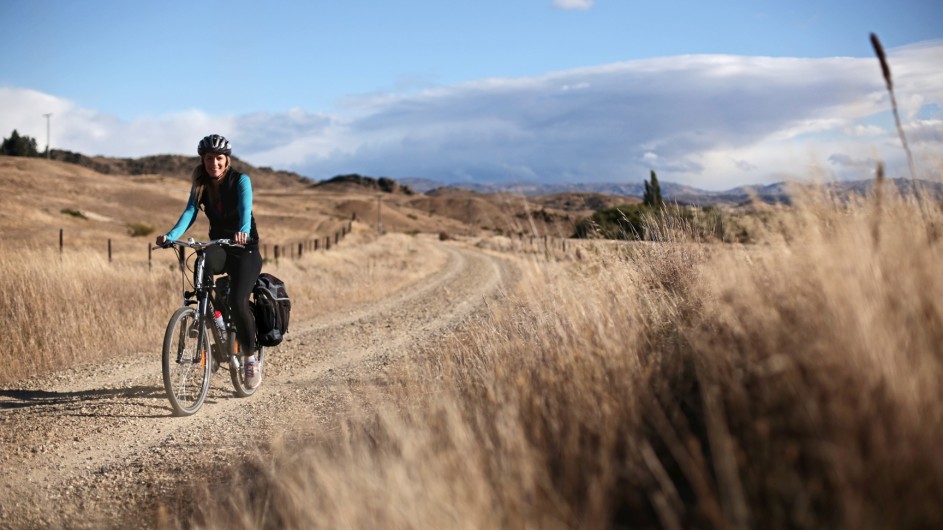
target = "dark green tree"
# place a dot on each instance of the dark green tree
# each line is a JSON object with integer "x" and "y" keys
{"x": 386, "y": 184}
{"x": 17, "y": 145}
{"x": 652, "y": 195}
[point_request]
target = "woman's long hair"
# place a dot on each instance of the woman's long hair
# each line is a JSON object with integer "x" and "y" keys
{"x": 201, "y": 181}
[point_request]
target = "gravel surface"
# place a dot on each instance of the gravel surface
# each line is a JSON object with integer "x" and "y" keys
{"x": 97, "y": 447}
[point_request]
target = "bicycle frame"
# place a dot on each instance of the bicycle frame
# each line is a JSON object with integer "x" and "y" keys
{"x": 201, "y": 291}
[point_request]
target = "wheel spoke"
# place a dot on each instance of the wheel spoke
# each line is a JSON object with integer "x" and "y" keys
{"x": 185, "y": 363}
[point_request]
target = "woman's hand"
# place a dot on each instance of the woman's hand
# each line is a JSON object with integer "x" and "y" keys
{"x": 161, "y": 240}
{"x": 241, "y": 238}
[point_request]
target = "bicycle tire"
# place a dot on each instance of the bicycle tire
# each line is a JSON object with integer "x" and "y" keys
{"x": 186, "y": 365}
{"x": 236, "y": 373}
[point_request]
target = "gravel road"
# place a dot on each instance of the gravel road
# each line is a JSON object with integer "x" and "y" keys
{"x": 97, "y": 446}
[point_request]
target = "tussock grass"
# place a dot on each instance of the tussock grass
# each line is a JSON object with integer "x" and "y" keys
{"x": 794, "y": 383}
{"x": 61, "y": 311}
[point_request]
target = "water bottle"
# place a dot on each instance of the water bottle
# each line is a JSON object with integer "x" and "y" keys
{"x": 220, "y": 325}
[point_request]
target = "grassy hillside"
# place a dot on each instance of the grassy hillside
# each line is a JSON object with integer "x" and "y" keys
{"x": 96, "y": 198}
{"x": 38, "y": 197}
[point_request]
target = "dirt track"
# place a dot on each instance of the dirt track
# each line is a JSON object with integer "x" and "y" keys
{"x": 97, "y": 447}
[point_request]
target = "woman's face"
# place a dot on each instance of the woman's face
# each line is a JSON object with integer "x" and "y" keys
{"x": 216, "y": 165}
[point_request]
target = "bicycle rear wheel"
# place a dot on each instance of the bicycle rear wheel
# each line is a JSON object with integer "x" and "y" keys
{"x": 186, "y": 362}
{"x": 236, "y": 371}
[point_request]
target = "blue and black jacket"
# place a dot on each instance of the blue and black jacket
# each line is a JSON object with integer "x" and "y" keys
{"x": 231, "y": 214}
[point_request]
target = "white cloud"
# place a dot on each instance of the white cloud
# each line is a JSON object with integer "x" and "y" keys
{"x": 712, "y": 120}
{"x": 24, "y": 110}
{"x": 865, "y": 130}
{"x": 573, "y": 4}
{"x": 707, "y": 121}
{"x": 925, "y": 132}
{"x": 95, "y": 133}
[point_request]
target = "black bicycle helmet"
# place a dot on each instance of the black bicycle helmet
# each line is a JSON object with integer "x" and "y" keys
{"x": 214, "y": 143}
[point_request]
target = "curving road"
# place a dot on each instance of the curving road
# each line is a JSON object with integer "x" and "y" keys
{"x": 98, "y": 448}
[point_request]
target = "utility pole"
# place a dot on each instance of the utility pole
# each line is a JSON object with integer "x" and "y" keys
{"x": 379, "y": 222}
{"x": 47, "y": 134}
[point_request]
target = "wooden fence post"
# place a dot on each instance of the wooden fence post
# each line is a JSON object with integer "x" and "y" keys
{"x": 109, "y": 251}
{"x": 60, "y": 243}
{"x": 150, "y": 266}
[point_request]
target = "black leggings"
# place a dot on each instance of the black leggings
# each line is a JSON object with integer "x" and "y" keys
{"x": 243, "y": 266}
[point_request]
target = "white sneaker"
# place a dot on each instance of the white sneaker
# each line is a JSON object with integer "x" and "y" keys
{"x": 253, "y": 373}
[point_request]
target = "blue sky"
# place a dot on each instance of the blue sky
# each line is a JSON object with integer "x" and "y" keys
{"x": 540, "y": 90}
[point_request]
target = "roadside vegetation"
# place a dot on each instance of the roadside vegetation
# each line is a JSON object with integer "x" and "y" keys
{"x": 77, "y": 308}
{"x": 790, "y": 383}
{"x": 645, "y": 221}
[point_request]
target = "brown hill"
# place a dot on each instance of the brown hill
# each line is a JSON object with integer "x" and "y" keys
{"x": 38, "y": 197}
{"x": 179, "y": 167}
{"x": 98, "y": 198}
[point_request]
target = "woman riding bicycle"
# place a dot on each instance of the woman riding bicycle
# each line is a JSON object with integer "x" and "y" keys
{"x": 225, "y": 196}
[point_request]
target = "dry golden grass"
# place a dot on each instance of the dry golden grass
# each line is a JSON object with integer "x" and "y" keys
{"x": 789, "y": 384}
{"x": 62, "y": 311}
{"x": 78, "y": 308}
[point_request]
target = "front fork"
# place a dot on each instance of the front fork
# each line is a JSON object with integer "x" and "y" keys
{"x": 204, "y": 306}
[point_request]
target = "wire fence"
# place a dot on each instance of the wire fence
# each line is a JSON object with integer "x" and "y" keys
{"x": 274, "y": 251}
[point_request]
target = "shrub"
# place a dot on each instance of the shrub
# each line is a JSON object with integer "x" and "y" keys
{"x": 73, "y": 213}
{"x": 618, "y": 222}
{"x": 140, "y": 229}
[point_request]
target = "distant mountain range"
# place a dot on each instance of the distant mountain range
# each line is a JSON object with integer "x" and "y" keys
{"x": 776, "y": 193}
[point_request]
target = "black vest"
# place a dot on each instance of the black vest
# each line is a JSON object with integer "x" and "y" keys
{"x": 224, "y": 216}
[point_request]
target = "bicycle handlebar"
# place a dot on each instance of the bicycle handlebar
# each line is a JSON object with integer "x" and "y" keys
{"x": 170, "y": 243}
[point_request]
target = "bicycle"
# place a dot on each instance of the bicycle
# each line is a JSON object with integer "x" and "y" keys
{"x": 189, "y": 358}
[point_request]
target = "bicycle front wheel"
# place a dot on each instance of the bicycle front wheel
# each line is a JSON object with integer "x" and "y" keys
{"x": 186, "y": 362}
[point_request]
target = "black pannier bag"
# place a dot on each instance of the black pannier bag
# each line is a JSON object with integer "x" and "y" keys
{"x": 272, "y": 309}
